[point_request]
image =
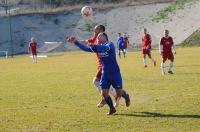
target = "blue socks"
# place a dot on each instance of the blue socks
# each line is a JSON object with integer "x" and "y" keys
{"x": 109, "y": 102}
{"x": 124, "y": 95}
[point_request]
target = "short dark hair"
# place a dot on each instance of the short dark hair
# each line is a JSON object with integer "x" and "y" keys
{"x": 102, "y": 28}
{"x": 104, "y": 34}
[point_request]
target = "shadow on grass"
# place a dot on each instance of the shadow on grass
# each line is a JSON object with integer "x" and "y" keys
{"x": 188, "y": 73}
{"x": 187, "y": 66}
{"x": 159, "y": 115}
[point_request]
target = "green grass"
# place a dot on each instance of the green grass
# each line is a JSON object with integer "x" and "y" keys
{"x": 192, "y": 40}
{"x": 171, "y": 8}
{"x": 57, "y": 95}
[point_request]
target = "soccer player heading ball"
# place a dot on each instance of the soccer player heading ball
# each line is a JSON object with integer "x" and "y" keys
{"x": 110, "y": 70}
{"x": 96, "y": 81}
{"x": 165, "y": 49}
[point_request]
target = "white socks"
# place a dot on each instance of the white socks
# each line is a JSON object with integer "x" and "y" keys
{"x": 163, "y": 68}
{"x": 97, "y": 85}
{"x": 145, "y": 61}
{"x": 152, "y": 59}
{"x": 34, "y": 59}
{"x": 113, "y": 92}
{"x": 170, "y": 65}
{"x": 124, "y": 51}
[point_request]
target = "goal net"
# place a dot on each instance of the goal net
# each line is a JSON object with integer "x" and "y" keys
{"x": 50, "y": 49}
{"x": 4, "y": 54}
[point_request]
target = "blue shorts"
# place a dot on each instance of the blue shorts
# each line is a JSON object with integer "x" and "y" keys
{"x": 113, "y": 79}
{"x": 121, "y": 48}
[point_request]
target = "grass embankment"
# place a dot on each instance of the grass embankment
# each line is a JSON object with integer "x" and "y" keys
{"x": 171, "y": 8}
{"x": 77, "y": 6}
{"x": 193, "y": 40}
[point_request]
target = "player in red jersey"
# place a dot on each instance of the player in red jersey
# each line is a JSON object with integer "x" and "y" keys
{"x": 96, "y": 81}
{"x": 33, "y": 49}
{"x": 165, "y": 47}
{"x": 126, "y": 43}
{"x": 146, "y": 47}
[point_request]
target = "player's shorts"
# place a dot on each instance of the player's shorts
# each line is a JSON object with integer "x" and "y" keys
{"x": 168, "y": 56}
{"x": 34, "y": 52}
{"x": 113, "y": 79}
{"x": 146, "y": 51}
{"x": 121, "y": 48}
{"x": 125, "y": 46}
{"x": 99, "y": 70}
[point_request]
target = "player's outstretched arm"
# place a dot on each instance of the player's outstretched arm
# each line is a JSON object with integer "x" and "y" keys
{"x": 83, "y": 47}
{"x": 85, "y": 42}
{"x": 78, "y": 44}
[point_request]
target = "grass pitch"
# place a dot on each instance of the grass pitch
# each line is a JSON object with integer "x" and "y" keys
{"x": 57, "y": 95}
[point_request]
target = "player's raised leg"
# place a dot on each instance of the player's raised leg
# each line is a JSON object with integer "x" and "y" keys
{"x": 117, "y": 84}
{"x": 122, "y": 93}
{"x": 96, "y": 82}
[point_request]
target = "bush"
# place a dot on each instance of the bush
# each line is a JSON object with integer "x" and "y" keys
{"x": 163, "y": 14}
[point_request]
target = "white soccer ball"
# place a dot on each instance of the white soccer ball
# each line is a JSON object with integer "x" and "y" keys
{"x": 87, "y": 11}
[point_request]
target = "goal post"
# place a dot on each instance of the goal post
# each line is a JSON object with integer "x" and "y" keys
{"x": 50, "y": 49}
{"x": 4, "y": 53}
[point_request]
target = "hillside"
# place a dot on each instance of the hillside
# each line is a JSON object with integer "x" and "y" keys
{"x": 58, "y": 26}
{"x": 128, "y": 16}
{"x": 193, "y": 40}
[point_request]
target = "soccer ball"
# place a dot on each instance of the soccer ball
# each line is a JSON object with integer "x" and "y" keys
{"x": 87, "y": 11}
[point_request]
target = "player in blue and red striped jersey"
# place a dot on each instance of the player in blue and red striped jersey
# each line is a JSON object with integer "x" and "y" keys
{"x": 110, "y": 70}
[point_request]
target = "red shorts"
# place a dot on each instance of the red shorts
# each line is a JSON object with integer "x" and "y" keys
{"x": 34, "y": 52}
{"x": 146, "y": 51}
{"x": 98, "y": 73}
{"x": 125, "y": 46}
{"x": 168, "y": 56}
